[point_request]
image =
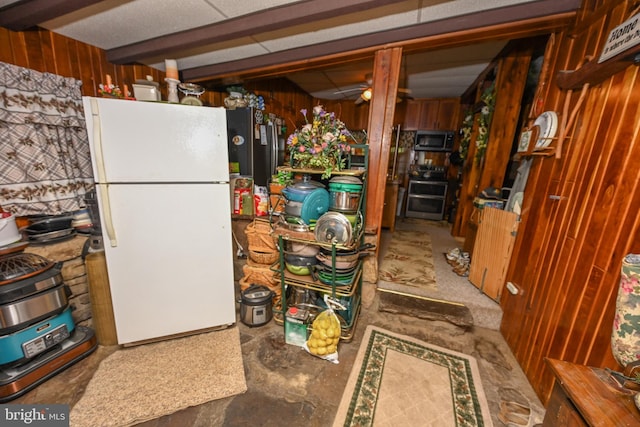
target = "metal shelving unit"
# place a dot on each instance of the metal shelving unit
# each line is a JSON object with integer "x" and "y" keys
{"x": 347, "y": 292}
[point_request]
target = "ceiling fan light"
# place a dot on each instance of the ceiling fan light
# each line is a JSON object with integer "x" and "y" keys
{"x": 366, "y": 94}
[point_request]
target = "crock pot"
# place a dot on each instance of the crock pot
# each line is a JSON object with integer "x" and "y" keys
{"x": 256, "y": 305}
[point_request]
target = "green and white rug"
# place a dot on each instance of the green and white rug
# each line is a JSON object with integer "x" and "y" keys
{"x": 398, "y": 380}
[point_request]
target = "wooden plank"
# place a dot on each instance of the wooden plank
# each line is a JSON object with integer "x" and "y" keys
{"x": 6, "y": 54}
{"x": 492, "y": 250}
{"x": 385, "y": 86}
{"x": 100, "y": 297}
{"x": 34, "y": 51}
{"x": 50, "y": 64}
{"x": 19, "y": 49}
{"x": 61, "y": 56}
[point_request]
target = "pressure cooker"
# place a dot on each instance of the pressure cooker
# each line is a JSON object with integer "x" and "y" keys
{"x": 256, "y": 305}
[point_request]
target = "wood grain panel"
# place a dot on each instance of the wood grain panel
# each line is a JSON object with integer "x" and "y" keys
{"x": 6, "y": 54}
{"x": 60, "y": 54}
{"x": 567, "y": 257}
{"x": 19, "y": 49}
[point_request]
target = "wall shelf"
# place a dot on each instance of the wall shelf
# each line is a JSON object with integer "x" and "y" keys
{"x": 594, "y": 73}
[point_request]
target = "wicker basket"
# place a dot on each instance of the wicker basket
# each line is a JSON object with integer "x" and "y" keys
{"x": 266, "y": 258}
{"x": 259, "y": 274}
{"x": 259, "y": 236}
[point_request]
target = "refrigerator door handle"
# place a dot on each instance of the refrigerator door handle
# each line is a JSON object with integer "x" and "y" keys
{"x": 274, "y": 149}
{"x": 97, "y": 141}
{"x": 106, "y": 204}
{"x": 108, "y": 219}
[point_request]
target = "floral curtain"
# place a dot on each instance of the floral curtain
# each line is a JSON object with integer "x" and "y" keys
{"x": 45, "y": 164}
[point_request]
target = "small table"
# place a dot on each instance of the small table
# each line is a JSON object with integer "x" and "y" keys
{"x": 584, "y": 396}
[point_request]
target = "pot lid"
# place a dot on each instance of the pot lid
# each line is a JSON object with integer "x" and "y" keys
{"x": 306, "y": 185}
{"x": 339, "y": 186}
{"x": 314, "y": 205}
{"x": 333, "y": 227}
{"x": 345, "y": 180}
{"x": 256, "y": 293}
{"x": 21, "y": 266}
{"x": 299, "y": 191}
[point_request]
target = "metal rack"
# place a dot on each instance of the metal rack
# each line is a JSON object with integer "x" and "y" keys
{"x": 348, "y": 291}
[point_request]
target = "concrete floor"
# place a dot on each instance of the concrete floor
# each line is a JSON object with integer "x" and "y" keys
{"x": 287, "y": 386}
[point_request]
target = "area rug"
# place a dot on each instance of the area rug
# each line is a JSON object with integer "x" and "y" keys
{"x": 451, "y": 288}
{"x": 152, "y": 380}
{"x": 408, "y": 263}
{"x": 398, "y": 380}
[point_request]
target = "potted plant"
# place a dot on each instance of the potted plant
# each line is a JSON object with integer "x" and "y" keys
{"x": 279, "y": 181}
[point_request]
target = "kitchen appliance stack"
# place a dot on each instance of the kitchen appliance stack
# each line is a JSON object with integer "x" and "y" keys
{"x": 428, "y": 187}
{"x": 38, "y": 337}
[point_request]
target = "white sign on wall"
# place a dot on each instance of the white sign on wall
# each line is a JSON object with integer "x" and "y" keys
{"x": 621, "y": 38}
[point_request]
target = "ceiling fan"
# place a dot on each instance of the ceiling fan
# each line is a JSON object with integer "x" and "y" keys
{"x": 366, "y": 91}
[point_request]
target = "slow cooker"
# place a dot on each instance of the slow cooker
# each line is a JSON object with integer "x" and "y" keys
{"x": 256, "y": 305}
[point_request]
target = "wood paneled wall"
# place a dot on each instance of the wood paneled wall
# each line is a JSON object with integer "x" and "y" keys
{"x": 44, "y": 51}
{"x": 580, "y": 214}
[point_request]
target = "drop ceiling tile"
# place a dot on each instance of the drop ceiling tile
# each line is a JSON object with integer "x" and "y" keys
{"x": 446, "y": 9}
{"x": 234, "y": 8}
{"x": 369, "y": 21}
{"x": 223, "y": 52}
{"x": 113, "y": 23}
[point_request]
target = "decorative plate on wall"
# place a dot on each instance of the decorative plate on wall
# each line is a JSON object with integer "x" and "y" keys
{"x": 548, "y": 124}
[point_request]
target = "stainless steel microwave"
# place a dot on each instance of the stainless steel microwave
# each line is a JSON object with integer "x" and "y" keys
{"x": 434, "y": 140}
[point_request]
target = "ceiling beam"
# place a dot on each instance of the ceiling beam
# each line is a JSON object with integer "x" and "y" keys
{"x": 259, "y": 22}
{"x": 534, "y": 18}
{"x": 24, "y": 14}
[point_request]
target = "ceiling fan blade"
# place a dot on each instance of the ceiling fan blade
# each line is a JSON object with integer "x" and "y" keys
{"x": 359, "y": 100}
{"x": 404, "y": 90}
{"x": 357, "y": 89}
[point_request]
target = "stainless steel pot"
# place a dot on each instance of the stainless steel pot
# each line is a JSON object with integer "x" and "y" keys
{"x": 301, "y": 249}
{"x": 344, "y": 201}
{"x": 349, "y": 255}
{"x": 24, "y": 312}
{"x": 340, "y": 263}
{"x": 293, "y": 208}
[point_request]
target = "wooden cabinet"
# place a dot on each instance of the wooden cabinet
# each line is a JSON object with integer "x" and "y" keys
{"x": 436, "y": 113}
{"x": 390, "y": 205}
{"x": 584, "y": 396}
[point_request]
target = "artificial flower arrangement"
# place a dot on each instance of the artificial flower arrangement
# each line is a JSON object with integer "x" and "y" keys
{"x": 321, "y": 143}
{"x": 467, "y": 129}
{"x": 488, "y": 98}
{"x": 110, "y": 90}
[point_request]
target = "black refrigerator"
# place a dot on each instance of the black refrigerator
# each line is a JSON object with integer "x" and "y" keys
{"x": 256, "y": 145}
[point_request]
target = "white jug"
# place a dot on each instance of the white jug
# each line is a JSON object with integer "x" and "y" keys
{"x": 8, "y": 229}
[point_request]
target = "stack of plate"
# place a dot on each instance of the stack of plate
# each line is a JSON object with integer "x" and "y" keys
{"x": 50, "y": 230}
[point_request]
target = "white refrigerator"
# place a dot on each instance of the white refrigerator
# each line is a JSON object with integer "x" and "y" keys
{"x": 162, "y": 181}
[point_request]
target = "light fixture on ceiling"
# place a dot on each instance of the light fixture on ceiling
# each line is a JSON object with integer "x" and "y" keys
{"x": 366, "y": 94}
